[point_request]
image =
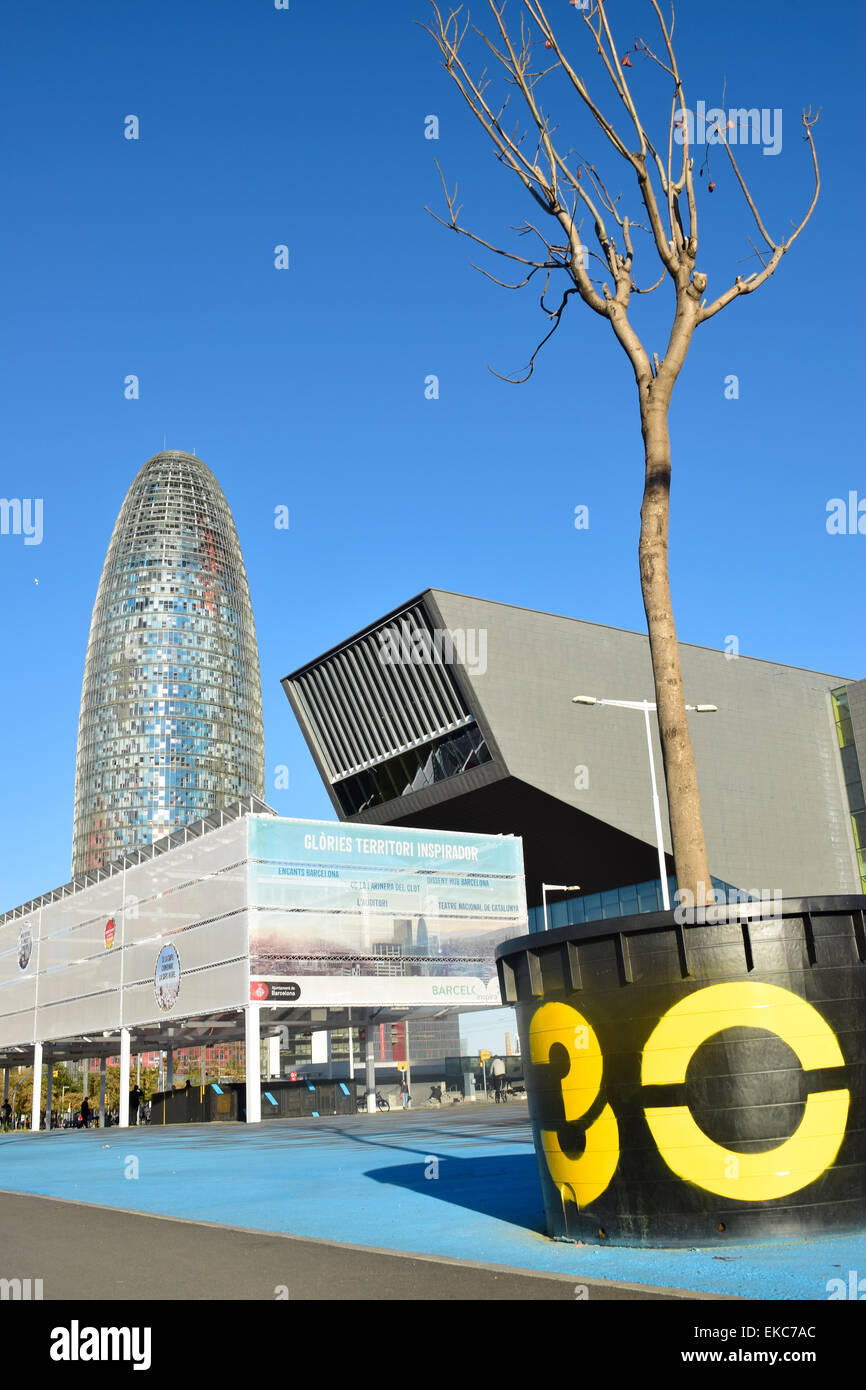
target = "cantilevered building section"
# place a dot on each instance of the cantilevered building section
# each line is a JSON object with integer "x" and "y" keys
{"x": 455, "y": 712}
{"x": 171, "y": 712}
{"x": 387, "y": 716}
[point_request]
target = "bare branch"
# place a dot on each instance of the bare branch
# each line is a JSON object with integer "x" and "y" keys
{"x": 542, "y": 22}
{"x": 453, "y": 225}
{"x": 556, "y": 316}
{"x": 778, "y": 250}
{"x": 449, "y": 40}
{"x": 504, "y": 283}
{"x": 635, "y": 289}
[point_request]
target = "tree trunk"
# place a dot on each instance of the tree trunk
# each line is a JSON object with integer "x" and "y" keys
{"x": 687, "y": 834}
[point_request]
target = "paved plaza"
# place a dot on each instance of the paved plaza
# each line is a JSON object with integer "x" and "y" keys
{"x": 332, "y": 1208}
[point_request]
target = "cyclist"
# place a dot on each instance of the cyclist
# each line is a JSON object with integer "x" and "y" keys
{"x": 497, "y": 1069}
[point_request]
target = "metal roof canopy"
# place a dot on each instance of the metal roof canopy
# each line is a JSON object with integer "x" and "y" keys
{"x": 205, "y": 1030}
{"x": 246, "y": 806}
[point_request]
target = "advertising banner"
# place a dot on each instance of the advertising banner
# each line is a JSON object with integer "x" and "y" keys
{"x": 379, "y": 915}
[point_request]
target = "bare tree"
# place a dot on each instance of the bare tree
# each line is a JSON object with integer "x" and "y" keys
{"x": 568, "y": 190}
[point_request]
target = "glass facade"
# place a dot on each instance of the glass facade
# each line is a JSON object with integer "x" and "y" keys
{"x": 410, "y": 771}
{"x": 429, "y": 1040}
{"x": 851, "y": 773}
{"x": 171, "y": 709}
{"x": 617, "y": 902}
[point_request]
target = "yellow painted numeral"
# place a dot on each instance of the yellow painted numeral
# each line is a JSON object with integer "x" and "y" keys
{"x": 579, "y": 1179}
{"x": 691, "y": 1154}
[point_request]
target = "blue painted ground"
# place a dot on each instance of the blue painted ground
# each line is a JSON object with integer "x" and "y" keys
{"x": 363, "y": 1179}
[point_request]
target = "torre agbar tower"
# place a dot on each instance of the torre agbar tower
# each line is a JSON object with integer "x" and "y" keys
{"x": 171, "y": 706}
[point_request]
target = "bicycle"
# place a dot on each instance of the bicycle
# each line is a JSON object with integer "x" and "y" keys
{"x": 382, "y": 1102}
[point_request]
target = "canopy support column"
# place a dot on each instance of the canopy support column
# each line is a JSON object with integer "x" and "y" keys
{"x": 49, "y": 1093}
{"x": 123, "y": 1104}
{"x": 253, "y": 1049}
{"x": 37, "y": 1086}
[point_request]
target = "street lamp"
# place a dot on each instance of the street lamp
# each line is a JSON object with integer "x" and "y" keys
{"x": 555, "y": 888}
{"x": 646, "y": 706}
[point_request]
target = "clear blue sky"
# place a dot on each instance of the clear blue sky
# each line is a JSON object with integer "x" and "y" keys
{"x": 306, "y": 387}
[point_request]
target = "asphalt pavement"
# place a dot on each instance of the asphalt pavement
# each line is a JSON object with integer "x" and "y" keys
{"x": 86, "y": 1252}
{"x": 430, "y": 1203}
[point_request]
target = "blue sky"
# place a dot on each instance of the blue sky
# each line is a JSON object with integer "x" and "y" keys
{"x": 305, "y": 387}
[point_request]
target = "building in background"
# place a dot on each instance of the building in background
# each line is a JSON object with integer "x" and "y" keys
{"x": 456, "y": 713}
{"x": 171, "y": 709}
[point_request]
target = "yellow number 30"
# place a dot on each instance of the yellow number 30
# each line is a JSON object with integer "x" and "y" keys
{"x": 687, "y": 1151}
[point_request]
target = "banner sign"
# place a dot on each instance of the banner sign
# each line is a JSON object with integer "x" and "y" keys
{"x": 365, "y": 914}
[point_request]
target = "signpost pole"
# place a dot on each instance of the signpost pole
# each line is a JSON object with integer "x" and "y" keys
{"x": 102, "y": 1083}
{"x": 371, "y": 1072}
{"x": 123, "y": 1104}
{"x": 484, "y": 1057}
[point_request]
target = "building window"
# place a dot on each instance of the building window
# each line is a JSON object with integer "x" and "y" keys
{"x": 433, "y": 762}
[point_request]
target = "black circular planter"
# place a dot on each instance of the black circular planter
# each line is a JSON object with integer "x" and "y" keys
{"x": 703, "y": 1081}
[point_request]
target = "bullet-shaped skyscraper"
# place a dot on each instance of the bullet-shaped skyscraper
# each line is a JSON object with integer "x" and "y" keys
{"x": 171, "y": 708}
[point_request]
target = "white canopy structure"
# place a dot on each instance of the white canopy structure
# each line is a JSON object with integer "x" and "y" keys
{"x": 247, "y": 921}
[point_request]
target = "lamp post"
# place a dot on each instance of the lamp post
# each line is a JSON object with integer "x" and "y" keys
{"x": 646, "y": 706}
{"x": 555, "y": 888}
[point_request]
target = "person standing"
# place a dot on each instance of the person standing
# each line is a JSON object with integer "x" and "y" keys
{"x": 6, "y": 1115}
{"x": 497, "y": 1069}
{"x": 134, "y": 1102}
{"x": 404, "y": 1091}
{"x": 85, "y": 1113}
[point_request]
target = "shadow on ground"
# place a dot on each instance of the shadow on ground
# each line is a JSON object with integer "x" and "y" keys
{"x": 503, "y": 1186}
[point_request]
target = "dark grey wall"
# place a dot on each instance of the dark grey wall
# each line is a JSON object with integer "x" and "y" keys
{"x": 857, "y": 706}
{"x": 774, "y": 805}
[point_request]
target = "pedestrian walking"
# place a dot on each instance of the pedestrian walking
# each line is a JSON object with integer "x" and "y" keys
{"x": 6, "y": 1116}
{"x": 404, "y": 1091}
{"x": 85, "y": 1113}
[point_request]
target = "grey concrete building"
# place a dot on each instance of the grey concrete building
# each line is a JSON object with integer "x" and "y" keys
{"x": 456, "y": 712}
